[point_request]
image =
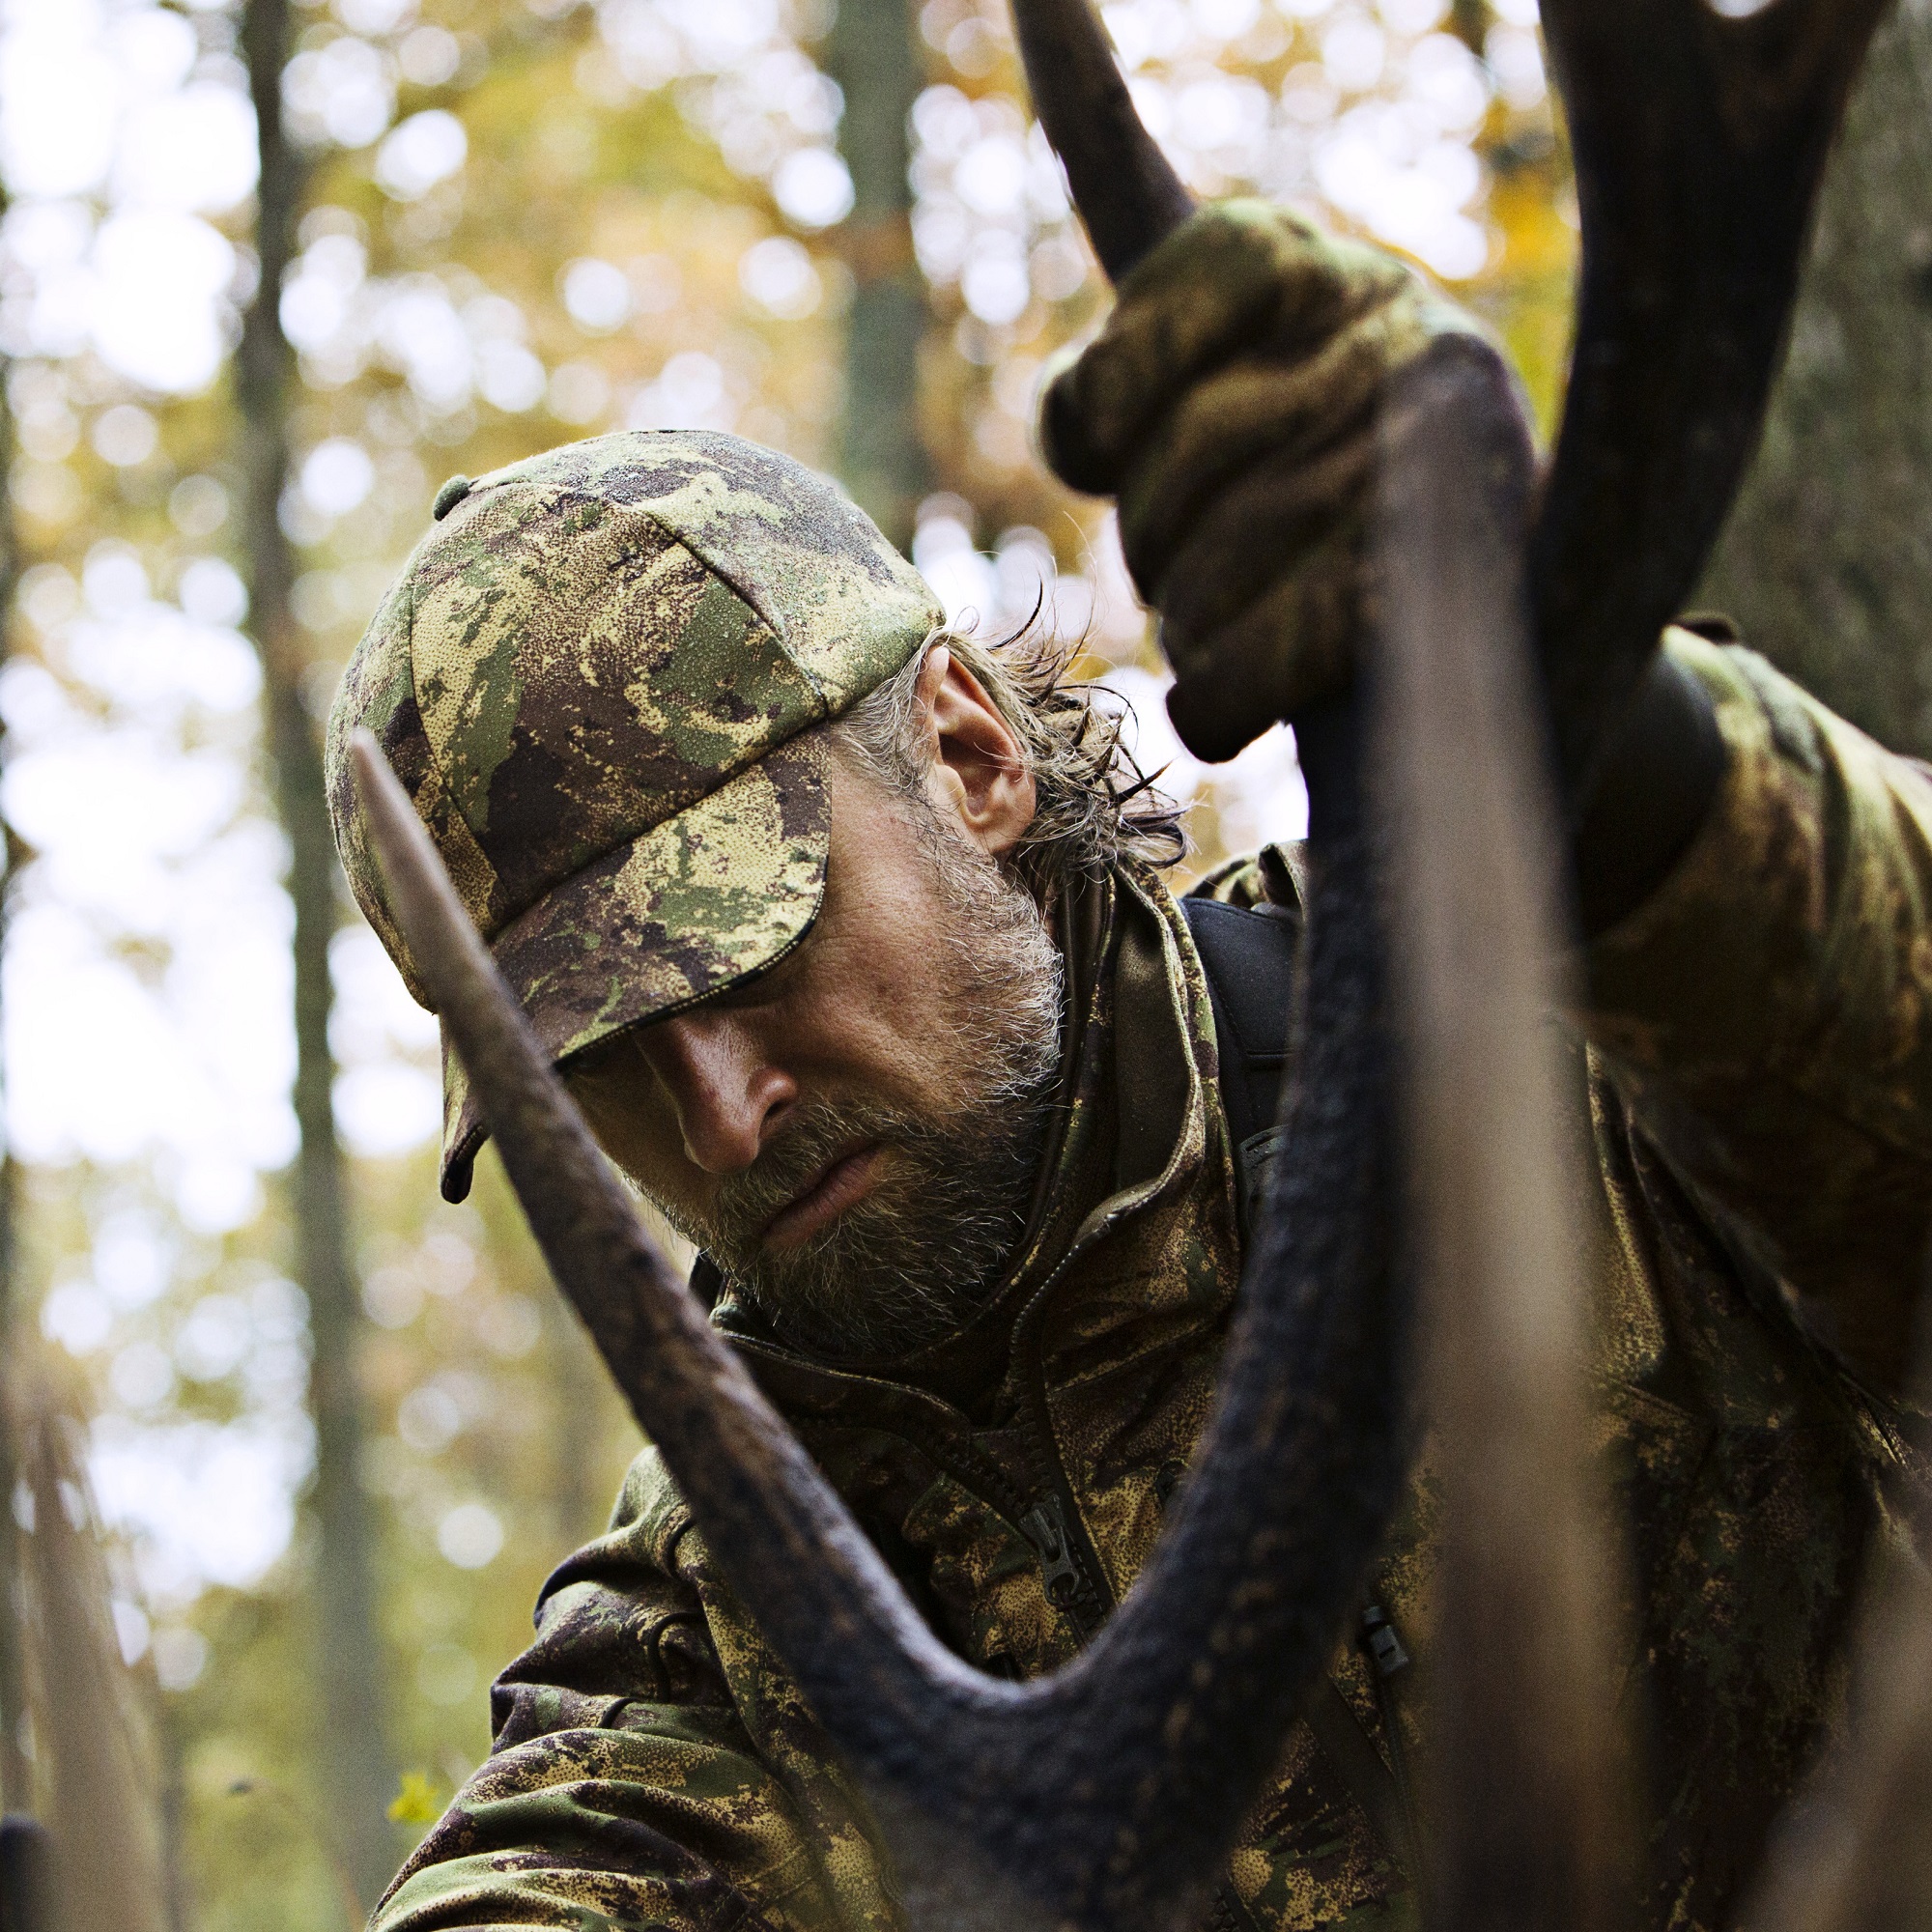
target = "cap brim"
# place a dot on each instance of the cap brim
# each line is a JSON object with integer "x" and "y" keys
{"x": 703, "y": 900}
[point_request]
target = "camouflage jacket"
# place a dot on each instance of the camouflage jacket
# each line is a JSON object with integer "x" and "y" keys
{"x": 1758, "y": 1059}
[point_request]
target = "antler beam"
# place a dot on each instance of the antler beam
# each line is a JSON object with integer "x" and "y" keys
{"x": 1526, "y": 1774}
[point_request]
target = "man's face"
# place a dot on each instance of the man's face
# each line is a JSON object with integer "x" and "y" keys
{"x": 853, "y": 1136}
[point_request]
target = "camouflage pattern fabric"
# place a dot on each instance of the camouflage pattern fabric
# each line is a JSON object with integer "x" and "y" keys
{"x": 1229, "y": 405}
{"x": 592, "y": 677}
{"x": 1756, "y": 1056}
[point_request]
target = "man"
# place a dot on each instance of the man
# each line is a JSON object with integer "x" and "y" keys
{"x": 850, "y": 938}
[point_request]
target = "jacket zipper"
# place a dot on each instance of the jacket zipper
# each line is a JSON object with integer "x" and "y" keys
{"x": 1069, "y": 1566}
{"x": 1387, "y": 1660}
{"x": 1045, "y": 1527}
{"x": 1082, "y": 1596}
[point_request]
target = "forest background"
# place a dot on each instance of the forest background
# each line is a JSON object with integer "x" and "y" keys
{"x": 266, "y": 278}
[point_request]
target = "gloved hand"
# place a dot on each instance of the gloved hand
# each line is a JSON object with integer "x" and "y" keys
{"x": 1229, "y": 404}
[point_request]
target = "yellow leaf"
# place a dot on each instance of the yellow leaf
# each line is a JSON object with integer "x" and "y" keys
{"x": 415, "y": 1801}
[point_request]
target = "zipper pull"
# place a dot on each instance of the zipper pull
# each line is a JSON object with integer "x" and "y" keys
{"x": 1384, "y": 1646}
{"x": 1389, "y": 1659}
{"x": 1046, "y": 1531}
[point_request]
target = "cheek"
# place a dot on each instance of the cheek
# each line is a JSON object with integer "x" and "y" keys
{"x": 882, "y": 1005}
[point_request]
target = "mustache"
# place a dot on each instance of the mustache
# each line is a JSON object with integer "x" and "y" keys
{"x": 822, "y": 1134}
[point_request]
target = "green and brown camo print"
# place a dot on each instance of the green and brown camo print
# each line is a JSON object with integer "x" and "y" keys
{"x": 1755, "y": 1055}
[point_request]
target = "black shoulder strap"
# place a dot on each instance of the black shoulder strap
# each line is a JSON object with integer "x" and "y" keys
{"x": 1249, "y": 960}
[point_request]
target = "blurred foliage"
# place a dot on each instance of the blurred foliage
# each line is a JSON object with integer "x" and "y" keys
{"x": 595, "y": 260}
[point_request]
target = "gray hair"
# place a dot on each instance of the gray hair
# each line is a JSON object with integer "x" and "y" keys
{"x": 1097, "y": 807}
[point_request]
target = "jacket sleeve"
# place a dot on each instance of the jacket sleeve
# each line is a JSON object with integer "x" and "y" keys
{"x": 653, "y": 1766}
{"x": 1768, "y": 1011}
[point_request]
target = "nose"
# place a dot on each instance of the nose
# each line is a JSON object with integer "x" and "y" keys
{"x": 729, "y": 1095}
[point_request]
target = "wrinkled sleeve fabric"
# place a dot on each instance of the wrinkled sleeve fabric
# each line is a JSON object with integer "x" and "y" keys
{"x": 1768, "y": 1011}
{"x": 653, "y": 1766}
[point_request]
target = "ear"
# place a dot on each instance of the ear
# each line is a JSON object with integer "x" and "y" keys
{"x": 978, "y": 775}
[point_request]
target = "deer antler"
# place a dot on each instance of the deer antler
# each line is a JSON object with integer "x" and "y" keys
{"x": 1699, "y": 143}
{"x": 1109, "y": 1794}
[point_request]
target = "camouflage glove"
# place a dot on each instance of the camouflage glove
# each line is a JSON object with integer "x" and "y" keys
{"x": 1230, "y": 404}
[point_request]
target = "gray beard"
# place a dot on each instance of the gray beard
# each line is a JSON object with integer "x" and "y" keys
{"x": 914, "y": 1260}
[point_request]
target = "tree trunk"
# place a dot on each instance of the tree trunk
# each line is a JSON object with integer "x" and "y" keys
{"x": 95, "y": 1775}
{"x": 16, "y": 1772}
{"x": 874, "y": 57}
{"x": 1827, "y": 561}
{"x": 579, "y": 1486}
{"x": 353, "y": 1755}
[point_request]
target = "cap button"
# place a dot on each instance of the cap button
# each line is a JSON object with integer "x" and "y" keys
{"x": 448, "y": 497}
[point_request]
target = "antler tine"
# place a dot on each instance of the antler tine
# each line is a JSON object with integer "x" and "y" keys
{"x": 1699, "y": 143}
{"x": 1123, "y": 187}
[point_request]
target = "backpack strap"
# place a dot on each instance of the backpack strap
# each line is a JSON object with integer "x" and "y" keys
{"x": 1248, "y": 958}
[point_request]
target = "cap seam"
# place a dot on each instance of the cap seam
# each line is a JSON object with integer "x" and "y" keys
{"x": 577, "y": 494}
{"x": 727, "y": 776}
{"x": 756, "y": 608}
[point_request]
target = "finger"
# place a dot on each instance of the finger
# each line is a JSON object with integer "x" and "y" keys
{"x": 1288, "y": 648}
{"x": 1226, "y": 423}
{"x": 1237, "y": 272}
{"x": 1263, "y": 523}
{"x": 1290, "y": 644}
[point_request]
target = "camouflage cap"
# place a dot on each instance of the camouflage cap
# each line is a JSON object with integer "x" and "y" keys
{"x": 596, "y": 677}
